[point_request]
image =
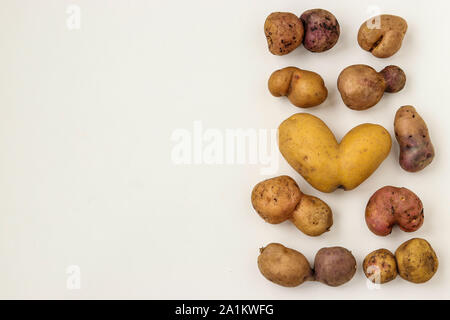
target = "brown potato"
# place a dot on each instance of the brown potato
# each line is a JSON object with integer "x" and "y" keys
{"x": 312, "y": 216}
{"x": 284, "y": 266}
{"x": 361, "y": 87}
{"x": 275, "y": 199}
{"x": 380, "y": 266}
{"x": 279, "y": 199}
{"x": 321, "y": 30}
{"x": 416, "y": 260}
{"x": 334, "y": 266}
{"x": 411, "y": 132}
{"x": 389, "y": 206}
{"x": 382, "y": 35}
{"x": 304, "y": 89}
{"x": 284, "y": 32}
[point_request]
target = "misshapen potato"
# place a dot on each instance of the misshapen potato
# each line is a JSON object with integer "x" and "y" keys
{"x": 304, "y": 89}
{"x": 334, "y": 266}
{"x": 361, "y": 87}
{"x": 382, "y": 35}
{"x": 411, "y": 132}
{"x": 321, "y": 30}
{"x": 389, "y": 206}
{"x": 284, "y": 32}
{"x": 279, "y": 199}
{"x": 380, "y": 266}
{"x": 416, "y": 260}
{"x": 310, "y": 147}
{"x": 283, "y": 266}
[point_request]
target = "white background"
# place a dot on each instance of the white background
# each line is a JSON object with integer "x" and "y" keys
{"x": 86, "y": 118}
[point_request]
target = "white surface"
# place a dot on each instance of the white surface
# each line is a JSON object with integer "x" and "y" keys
{"x": 86, "y": 118}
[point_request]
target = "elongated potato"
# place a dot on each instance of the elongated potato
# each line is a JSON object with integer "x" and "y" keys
{"x": 283, "y": 266}
{"x": 411, "y": 132}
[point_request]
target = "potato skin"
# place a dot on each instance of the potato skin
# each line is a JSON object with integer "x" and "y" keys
{"x": 275, "y": 199}
{"x": 334, "y": 266}
{"x": 312, "y": 216}
{"x": 361, "y": 87}
{"x": 321, "y": 30}
{"x": 284, "y": 32}
{"x": 416, "y": 260}
{"x": 386, "y": 40}
{"x": 391, "y": 205}
{"x": 380, "y": 266}
{"x": 411, "y": 132}
{"x": 304, "y": 89}
{"x": 283, "y": 266}
{"x": 310, "y": 147}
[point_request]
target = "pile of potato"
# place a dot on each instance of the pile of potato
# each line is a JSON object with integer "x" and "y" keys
{"x": 327, "y": 164}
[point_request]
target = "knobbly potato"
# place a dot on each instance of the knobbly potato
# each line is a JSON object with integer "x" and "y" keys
{"x": 380, "y": 266}
{"x": 382, "y": 35}
{"x": 416, "y": 260}
{"x": 304, "y": 89}
{"x": 284, "y": 32}
{"x": 334, "y": 266}
{"x": 280, "y": 199}
{"x": 361, "y": 87}
{"x": 284, "y": 266}
{"x": 312, "y": 216}
{"x": 389, "y": 206}
{"x": 310, "y": 147}
{"x": 321, "y": 30}
{"x": 275, "y": 199}
{"x": 411, "y": 132}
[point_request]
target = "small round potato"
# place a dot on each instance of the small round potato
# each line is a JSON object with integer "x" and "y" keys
{"x": 321, "y": 30}
{"x": 283, "y": 266}
{"x": 361, "y": 87}
{"x": 284, "y": 32}
{"x": 411, "y": 132}
{"x": 334, "y": 266}
{"x": 304, "y": 89}
{"x": 312, "y": 216}
{"x": 380, "y": 266}
{"x": 382, "y": 35}
{"x": 390, "y": 206}
{"x": 416, "y": 260}
{"x": 275, "y": 199}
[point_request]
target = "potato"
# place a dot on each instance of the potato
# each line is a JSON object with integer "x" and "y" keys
{"x": 284, "y": 266}
{"x": 361, "y": 87}
{"x": 416, "y": 260}
{"x": 304, "y": 89}
{"x": 382, "y": 35}
{"x": 380, "y": 266}
{"x": 284, "y": 32}
{"x": 321, "y": 30}
{"x": 275, "y": 199}
{"x": 279, "y": 199}
{"x": 334, "y": 266}
{"x": 411, "y": 132}
{"x": 312, "y": 216}
{"x": 389, "y": 206}
{"x": 312, "y": 150}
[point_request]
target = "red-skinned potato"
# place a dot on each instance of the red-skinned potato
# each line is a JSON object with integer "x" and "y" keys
{"x": 390, "y": 206}
{"x": 334, "y": 266}
{"x": 321, "y": 30}
{"x": 411, "y": 132}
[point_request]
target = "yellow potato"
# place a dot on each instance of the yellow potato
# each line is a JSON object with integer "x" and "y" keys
{"x": 416, "y": 260}
{"x": 312, "y": 150}
{"x": 304, "y": 89}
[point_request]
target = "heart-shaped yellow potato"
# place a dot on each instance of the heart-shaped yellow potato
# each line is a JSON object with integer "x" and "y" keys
{"x": 310, "y": 147}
